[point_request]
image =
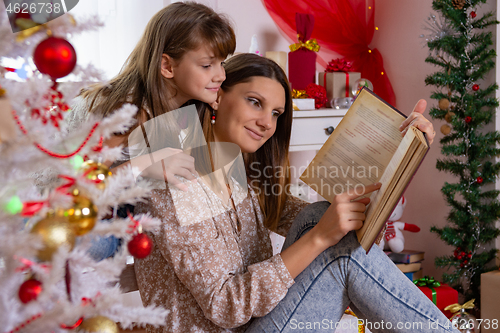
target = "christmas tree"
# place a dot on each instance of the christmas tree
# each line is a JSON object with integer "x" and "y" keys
{"x": 52, "y": 203}
{"x": 461, "y": 46}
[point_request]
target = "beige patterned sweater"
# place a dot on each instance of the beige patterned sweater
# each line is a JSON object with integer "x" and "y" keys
{"x": 212, "y": 265}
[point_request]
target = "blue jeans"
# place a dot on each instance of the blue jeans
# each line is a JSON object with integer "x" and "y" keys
{"x": 344, "y": 275}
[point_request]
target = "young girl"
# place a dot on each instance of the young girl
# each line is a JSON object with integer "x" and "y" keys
{"x": 212, "y": 264}
{"x": 179, "y": 58}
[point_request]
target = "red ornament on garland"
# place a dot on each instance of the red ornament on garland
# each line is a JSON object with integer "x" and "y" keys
{"x": 473, "y": 14}
{"x": 468, "y": 119}
{"x": 30, "y": 290}
{"x": 53, "y": 111}
{"x": 140, "y": 246}
{"x": 479, "y": 180}
{"x": 55, "y": 57}
{"x": 475, "y": 87}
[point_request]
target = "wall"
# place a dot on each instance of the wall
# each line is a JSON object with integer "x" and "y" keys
{"x": 109, "y": 47}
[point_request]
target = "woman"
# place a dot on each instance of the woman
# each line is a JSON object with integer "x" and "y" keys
{"x": 212, "y": 265}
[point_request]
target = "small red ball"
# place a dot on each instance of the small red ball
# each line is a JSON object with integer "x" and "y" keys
{"x": 55, "y": 57}
{"x": 475, "y": 87}
{"x": 140, "y": 246}
{"x": 23, "y": 15}
{"x": 468, "y": 119}
{"x": 465, "y": 262}
{"x": 30, "y": 290}
{"x": 469, "y": 255}
{"x": 479, "y": 180}
{"x": 459, "y": 257}
{"x": 473, "y": 14}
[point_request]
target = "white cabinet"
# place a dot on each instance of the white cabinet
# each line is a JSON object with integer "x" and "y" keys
{"x": 309, "y": 128}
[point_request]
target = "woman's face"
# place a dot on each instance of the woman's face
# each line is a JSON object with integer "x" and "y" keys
{"x": 247, "y": 113}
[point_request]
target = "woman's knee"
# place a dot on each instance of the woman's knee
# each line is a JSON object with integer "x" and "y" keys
{"x": 314, "y": 211}
{"x": 306, "y": 220}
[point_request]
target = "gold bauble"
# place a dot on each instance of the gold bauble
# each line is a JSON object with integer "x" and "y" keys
{"x": 99, "y": 324}
{"x": 444, "y": 104}
{"x": 449, "y": 116}
{"x": 54, "y": 231}
{"x": 445, "y": 129}
{"x": 82, "y": 216}
{"x": 96, "y": 172}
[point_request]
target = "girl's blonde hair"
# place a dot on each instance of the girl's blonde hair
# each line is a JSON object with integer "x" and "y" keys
{"x": 174, "y": 30}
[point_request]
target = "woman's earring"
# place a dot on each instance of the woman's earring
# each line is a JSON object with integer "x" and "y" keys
{"x": 213, "y": 118}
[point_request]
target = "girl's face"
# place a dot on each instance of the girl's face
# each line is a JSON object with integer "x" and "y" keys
{"x": 197, "y": 75}
{"x": 248, "y": 112}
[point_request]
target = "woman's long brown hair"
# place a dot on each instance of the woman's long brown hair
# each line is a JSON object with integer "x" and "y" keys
{"x": 174, "y": 30}
{"x": 239, "y": 69}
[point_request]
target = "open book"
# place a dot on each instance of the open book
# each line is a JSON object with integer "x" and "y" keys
{"x": 365, "y": 148}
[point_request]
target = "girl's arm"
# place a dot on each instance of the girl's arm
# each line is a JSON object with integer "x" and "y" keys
{"x": 344, "y": 214}
{"x": 163, "y": 164}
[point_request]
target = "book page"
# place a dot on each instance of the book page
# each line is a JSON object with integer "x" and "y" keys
{"x": 391, "y": 175}
{"x": 397, "y": 176}
{"x": 359, "y": 149}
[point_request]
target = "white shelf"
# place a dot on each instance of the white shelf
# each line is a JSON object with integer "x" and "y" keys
{"x": 319, "y": 113}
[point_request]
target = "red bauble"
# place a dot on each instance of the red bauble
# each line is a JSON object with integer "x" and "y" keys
{"x": 30, "y": 290}
{"x": 475, "y": 87}
{"x": 473, "y": 14}
{"x": 55, "y": 57}
{"x": 140, "y": 246}
{"x": 479, "y": 180}
{"x": 468, "y": 119}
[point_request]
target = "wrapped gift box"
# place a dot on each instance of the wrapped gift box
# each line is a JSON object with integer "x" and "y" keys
{"x": 445, "y": 295}
{"x": 304, "y": 103}
{"x": 301, "y": 68}
{"x": 338, "y": 84}
{"x": 490, "y": 300}
{"x": 302, "y": 56}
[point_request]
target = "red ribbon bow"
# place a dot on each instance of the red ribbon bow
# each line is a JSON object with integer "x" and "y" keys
{"x": 30, "y": 208}
{"x": 338, "y": 65}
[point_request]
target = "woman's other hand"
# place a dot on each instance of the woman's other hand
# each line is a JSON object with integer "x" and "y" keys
{"x": 417, "y": 119}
